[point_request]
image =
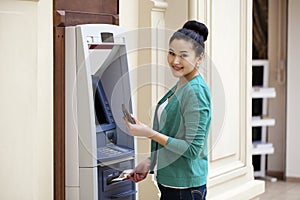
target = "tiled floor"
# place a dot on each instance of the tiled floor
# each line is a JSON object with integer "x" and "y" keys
{"x": 281, "y": 190}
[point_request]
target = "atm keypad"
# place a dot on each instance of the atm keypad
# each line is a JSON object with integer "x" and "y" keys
{"x": 108, "y": 151}
{"x": 111, "y": 152}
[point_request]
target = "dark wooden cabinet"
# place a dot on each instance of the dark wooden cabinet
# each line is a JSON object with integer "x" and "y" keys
{"x": 88, "y": 6}
{"x": 70, "y": 13}
{"x": 74, "y": 12}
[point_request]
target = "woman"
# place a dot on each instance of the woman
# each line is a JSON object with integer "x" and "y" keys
{"x": 181, "y": 122}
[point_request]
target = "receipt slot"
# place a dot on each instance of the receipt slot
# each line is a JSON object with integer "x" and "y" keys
{"x": 98, "y": 148}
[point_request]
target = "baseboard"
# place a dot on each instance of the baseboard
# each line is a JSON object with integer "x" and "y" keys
{"x": 249, "y": 190}
{"x": 292, "y": 179}
{"x": 277, "y": 174}
{"x": 281, "y": 176}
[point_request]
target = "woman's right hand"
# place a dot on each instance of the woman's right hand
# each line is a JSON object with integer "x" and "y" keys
{"x": 140, "y": 172}
{"x": 139, "y": 129}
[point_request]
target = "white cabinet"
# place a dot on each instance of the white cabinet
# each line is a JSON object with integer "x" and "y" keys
{"x": 260, "y": 119}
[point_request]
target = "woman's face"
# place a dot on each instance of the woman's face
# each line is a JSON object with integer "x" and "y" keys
{"x": 182, "y": 58}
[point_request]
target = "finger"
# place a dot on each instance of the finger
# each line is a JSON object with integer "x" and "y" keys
{"x": 136, "y": 179}
{"x": 136, "y": 120}
{"x": 126, "y": 123}
{"x": 143, "y": 176}
{"x": 129, "y": 178}
{"x": 139, "y": 177}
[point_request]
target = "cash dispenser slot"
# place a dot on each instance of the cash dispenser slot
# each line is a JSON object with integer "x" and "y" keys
{"x": 116, "y": 189}
{"x": 109, "y": 175}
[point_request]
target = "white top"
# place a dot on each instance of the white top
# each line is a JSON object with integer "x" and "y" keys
{"x": 160, "y": 109}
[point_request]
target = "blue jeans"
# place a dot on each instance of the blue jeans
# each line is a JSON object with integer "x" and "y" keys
{"x": 194, "y": 193}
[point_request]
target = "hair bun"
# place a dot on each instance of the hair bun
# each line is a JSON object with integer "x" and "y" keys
{"x": 197, "y": 27}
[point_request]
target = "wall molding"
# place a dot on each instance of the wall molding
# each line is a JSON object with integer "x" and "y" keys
{"x": 159, "y": 5}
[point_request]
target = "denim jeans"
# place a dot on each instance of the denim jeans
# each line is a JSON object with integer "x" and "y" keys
{"x": 194, "y": 193}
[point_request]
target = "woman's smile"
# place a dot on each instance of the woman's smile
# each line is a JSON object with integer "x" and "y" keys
{"x": 177, "y": 68}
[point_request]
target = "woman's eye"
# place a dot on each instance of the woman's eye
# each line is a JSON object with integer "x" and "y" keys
{"x": 171, "y": 53}
{"x": 183, "y": 55}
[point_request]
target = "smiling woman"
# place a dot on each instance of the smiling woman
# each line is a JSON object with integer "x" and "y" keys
{"x": 227, "y": 65}
{"x": 179, "y": 138}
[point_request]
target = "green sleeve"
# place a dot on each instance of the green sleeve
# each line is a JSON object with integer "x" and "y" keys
{"x": 196, "y": 113}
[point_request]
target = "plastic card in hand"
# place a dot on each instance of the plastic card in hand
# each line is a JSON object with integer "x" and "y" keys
{"x": 127, "y": 114}
{"x": 123, "y": 175}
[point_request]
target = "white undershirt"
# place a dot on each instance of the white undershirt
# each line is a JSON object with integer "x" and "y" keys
{"x": 161, "y": 108}
{"x": 159, "y": 112}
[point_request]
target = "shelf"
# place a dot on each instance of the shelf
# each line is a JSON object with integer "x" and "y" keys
{"x": 262, "y": 121}
{"x": 263, "y": 92}
{"x": 260, "y": 92}
{"x": 260, "y": 147}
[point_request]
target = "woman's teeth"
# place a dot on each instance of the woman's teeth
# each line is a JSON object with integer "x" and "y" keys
{"x": 177, "y": 68}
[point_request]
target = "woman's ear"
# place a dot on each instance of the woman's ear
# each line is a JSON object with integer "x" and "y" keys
{"x": 201, "y": 56}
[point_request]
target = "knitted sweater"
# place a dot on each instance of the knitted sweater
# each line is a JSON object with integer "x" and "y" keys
{"x": 186, "y": 120}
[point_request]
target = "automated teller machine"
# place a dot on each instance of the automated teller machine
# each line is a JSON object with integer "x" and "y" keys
{"x": 98, "y": 148}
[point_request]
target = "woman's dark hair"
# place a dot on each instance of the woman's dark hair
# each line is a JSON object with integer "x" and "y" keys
{"x": 193, "y": 31}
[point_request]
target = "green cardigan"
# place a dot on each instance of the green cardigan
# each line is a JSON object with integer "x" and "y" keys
{"x": 186, "y": 120}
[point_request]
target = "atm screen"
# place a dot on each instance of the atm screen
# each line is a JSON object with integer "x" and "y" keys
{"x": 103, "y": 113}
{"x": 101, "y": 117}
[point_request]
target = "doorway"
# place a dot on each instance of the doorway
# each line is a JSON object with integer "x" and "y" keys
{"x": 270, "y": 43}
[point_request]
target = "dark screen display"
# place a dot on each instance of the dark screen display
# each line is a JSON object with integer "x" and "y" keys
{"x": 107, "y": 37}
{"x": 103, "y": 115}
{"x": 100, "y": 114}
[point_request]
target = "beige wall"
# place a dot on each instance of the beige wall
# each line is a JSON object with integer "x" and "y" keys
{"x": 277, "y": 79}
{"x": 26, "y": 100}
{"x": 293, "y": 95}
{"x": 285, "y": 132}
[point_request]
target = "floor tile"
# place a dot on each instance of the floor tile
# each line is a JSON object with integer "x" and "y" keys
{"x": 281, "y": 190}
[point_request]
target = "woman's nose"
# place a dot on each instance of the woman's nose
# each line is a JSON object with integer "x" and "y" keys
{"x": 176, "y": 59}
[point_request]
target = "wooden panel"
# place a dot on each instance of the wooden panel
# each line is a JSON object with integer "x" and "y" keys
{"x": 89, "y": 6}
{"x": 228, "y": 156}
{"x": 74, "y": 18}
{"x": 59, "y": 113}
{"x": 228, "y": 66}
{"x": 64, "y": 18}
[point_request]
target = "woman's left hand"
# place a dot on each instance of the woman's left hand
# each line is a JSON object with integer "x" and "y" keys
{"x": 138, "y": 129}
{"x": 140, "y": 172}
